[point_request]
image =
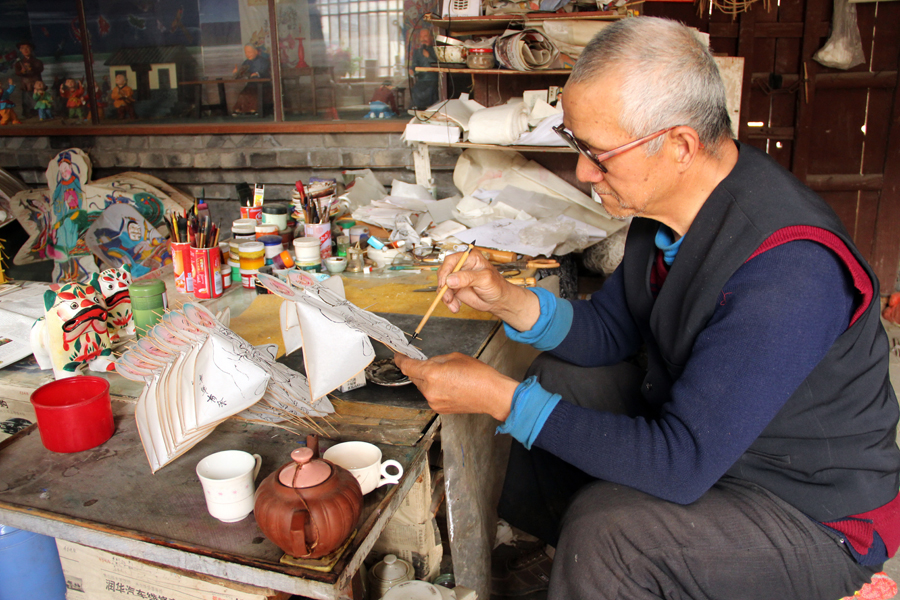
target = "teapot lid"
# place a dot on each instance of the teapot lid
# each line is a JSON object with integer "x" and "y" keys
{"x": 306, "y": 472}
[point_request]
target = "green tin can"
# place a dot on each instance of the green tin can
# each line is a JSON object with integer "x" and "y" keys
{"x": 148, "y": 303}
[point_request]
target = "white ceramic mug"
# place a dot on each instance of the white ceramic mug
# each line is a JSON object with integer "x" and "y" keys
{"x": 228, "y": 483}
{"x": 363, "y": 460}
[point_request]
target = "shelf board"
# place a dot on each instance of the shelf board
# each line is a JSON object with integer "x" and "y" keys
{"x": 558, "y": 149}
{"x": 499, "y": 22}
{"x": 492, "y": 71}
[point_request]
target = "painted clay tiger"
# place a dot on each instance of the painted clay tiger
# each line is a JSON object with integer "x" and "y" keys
{"x": 73, "y": 331}
{"x": 114, "y": 286}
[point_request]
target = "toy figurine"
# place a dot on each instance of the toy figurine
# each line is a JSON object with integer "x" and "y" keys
{"x": 114, "y": 285}
{"x": 28, "y": 69}
{"x": 7, "y": 106}
{"x": 383, "y": 104}
{"x": 73, "y": 332}
{"x": 424, "y": 92}
{"x": 256, "y": 65}
{"x": 123, "y": 98}
{"x": 43, "y": 101}
{"x": 73, "y": 93}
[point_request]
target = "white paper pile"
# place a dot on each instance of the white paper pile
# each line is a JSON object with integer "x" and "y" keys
{"x": 197, "y": 373}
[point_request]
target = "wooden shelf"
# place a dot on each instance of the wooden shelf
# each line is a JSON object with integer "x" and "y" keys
{"x": 557, "y": 149}
{"x": 493, "y": 71}
{"x": 470, "y": 25}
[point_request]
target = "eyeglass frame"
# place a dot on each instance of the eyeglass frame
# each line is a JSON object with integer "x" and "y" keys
{"x": 598, "y": 159}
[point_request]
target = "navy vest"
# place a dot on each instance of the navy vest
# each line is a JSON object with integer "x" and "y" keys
{"x": 831, "y": 450}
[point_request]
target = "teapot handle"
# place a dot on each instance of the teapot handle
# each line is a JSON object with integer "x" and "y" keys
{"x": 298, "y": 530}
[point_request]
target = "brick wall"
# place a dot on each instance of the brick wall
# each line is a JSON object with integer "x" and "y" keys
{"x": 213, "y": 164}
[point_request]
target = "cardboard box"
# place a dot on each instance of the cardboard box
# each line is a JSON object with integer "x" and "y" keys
{"x": 93, "y": 574}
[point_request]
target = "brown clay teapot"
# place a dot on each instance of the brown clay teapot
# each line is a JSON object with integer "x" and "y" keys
{"x": 310, "y": 506}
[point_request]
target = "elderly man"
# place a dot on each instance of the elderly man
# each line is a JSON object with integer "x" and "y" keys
{"x": 717, "y": 421}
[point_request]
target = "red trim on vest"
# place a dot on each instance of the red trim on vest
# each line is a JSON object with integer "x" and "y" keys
{"x": 860, "y": 528}
{"x": 861, "y": 279}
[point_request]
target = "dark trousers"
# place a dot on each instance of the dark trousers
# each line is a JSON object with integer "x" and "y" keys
{"x": 613, "y": 542}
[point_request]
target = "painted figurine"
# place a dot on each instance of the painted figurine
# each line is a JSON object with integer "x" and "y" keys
{"x": 383, "y": 104}
{"x": 73, "y": 332}
{"x": 73, "y": 93}
{"x": 256, "y": 66}
{"x": 114, "y": 285}
{"x": 43, "y": 101}
{"x": 28, "y": 69}
{"x": 424, "y": 91}
{"x": 7, "y": 106}
{"x": 123, "y": 98}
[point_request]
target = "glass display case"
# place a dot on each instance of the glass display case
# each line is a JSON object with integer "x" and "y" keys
{"x": 120, "y": 63}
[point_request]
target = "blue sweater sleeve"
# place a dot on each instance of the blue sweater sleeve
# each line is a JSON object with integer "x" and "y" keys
{"x": 552, "y": 325}
{"x": 777, "y": 317}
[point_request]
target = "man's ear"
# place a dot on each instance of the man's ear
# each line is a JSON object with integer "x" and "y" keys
{"x": 685, "y": 143}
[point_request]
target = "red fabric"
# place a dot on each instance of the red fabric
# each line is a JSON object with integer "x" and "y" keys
{"x": 860, "y": 528}
{"x": 805, "y": 232}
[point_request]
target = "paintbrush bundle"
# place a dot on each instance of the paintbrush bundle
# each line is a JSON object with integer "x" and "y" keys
{"x": 316, "y": 201}
{"x": 197, "y": 373}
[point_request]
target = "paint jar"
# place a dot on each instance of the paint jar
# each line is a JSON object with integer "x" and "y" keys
{"x": 276, "y": 214}
{"x": 480, "y": 58}
{"x": 181, "y": 265}
{"x": 260, "y": 288}
{"x": 287, "y": 237}
{"x": 253, "y": 256}
{"x": 266, "y": 229}
{"x": 343, "y": 242}
{"x": 357, "y": 231}
{"x": 206, "y": 264}
{"x": 225, "y": 272}
{"x": 244, "y": 230}
{"x": 272, "y": 246}
{"x": 322, "y": 232}
{"x": 307, "y": 254}
{"x": 252, "y": 212}
{"x": 282, "y": 261}
{"x": 224, "y": 250}
{"x": 148, "y": 303}
{"x": 234, "y": 259}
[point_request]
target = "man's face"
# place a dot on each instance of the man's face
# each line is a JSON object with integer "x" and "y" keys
{"x": 70, "y": 83}
{"x": 250, "y": 52}
{"x": 120, "y": 80}
{"x": 134, "y": 232}
{"x": 631, "y": 186}
{"x": 25, "y": 50}
{"x": 425, "y": 37}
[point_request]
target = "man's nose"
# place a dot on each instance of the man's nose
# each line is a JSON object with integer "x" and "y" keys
{"x": 587, "y": 171}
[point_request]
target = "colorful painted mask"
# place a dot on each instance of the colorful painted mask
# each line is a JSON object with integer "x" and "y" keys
{"x": 114, "y": 286}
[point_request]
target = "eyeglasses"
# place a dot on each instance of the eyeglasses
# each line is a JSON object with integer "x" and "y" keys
{"x": 598, "y": 159}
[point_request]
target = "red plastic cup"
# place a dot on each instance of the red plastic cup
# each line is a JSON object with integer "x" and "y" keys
{"x": 74, "y": 414}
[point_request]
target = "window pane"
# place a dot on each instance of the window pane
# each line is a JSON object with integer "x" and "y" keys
{"x": 342, "y": 59}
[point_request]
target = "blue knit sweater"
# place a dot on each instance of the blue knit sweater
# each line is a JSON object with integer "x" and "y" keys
{"x": 777, "y": 317}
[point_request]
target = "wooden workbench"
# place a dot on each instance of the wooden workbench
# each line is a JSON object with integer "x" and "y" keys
{"x": 107, "y": 498}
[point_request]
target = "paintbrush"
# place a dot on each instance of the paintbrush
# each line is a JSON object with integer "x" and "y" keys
{"x": 441, "y": 292}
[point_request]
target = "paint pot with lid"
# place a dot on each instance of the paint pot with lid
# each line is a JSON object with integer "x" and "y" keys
{"x": 272, "y": 246}
{"x": 244, "y": 230}
{"x": 276, "y": 214}
{"x": 307, "y": 254}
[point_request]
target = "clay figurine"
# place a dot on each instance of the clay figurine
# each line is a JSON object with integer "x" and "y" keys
{"x": 43, "y": 101}
{"x": 7, "y": 106}
{"x": 114, "y": 286}
{"x": 73, "y": 332}
{"x": 123, "y": 98}
{"x": 256, "y": 66}
{"x": 73, "y": 93}
{"x": 424, "y": 92}
{"x": 383, "y": 104}
{"x": 28, "y": 69}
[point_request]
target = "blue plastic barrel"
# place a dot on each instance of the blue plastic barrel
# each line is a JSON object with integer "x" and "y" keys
{"x": 29, "y": 566}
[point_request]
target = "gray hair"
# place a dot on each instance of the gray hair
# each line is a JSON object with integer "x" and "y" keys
{"x": 668, "y": 78}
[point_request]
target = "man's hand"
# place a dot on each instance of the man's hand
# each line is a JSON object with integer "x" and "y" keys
{"x": 459, "y": 384}
{"x": 479, "y": 285}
